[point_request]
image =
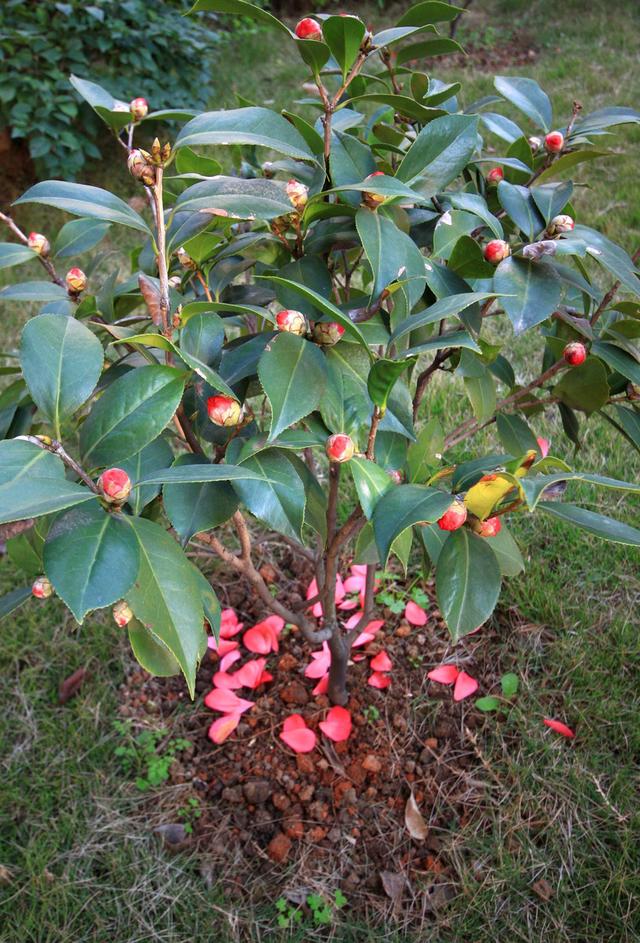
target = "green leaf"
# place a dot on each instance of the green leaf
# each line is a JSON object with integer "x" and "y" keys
{"x": 487, "y": 704}
{"x": 192, "y": 474}
{"x": 519, "y": 205}
{"x": 198, "y": 507}
{"x": 293, "y": 375}
{"x": 421, "y": 455}
{"x": 439, "y": 153}
{"x": 510, "y": 683}
{"x": 515, "y": 435}
{"x": 33, "y": 483}
{"x": 429, "y": 47}
{"x": 160, "y": 342}
{"x": 13, "y": 600}
{"x": 533, "y": 486}
{"x": 507, "y": 552}
{"x": 240, "y": 8}
{"x": 402, "y": 507}
{"x": 150, "y": 652}
{"x": 528, "y": 97}
{"x": 157, "y": 455}
{"x": 382, "y": 378}
{"x": 627, "y": 422}
{"x": 91, "y": 558}
{"x": 12, "y": 253}
{"x": 277, "y": 497}
{"x": 618, "y": 360}
{"x": 443, "y": 308}
{"x": 343, "y": 35}
{"x": 166, "y": 596}
{"x": 584, "y": 387}
{"x": 34, "y": 291}
{"x": 81, "y": 200}
{"x": 599, "y": 524}
{"x": 551, "y": 198}
{"x": 371, "y": 483}
{"x": 322, "y": 304}
{"x": 467, "y": 582}
{"x": 61, "y": 362}
{"x": 310, "y": 271}
{"x": 258, "y": 126}
{"x": 611, "y": 256}
{"x": 569, "y": 161}
{"x": 242, "y": 199}
{"x": 132, "y": 412}
{"x": 79, "y": 235}
{"x": 102, "y": 102}
{"x": 429, "y": 11}
{"x": 389, "y": 251}
{"x": 350, "y": 161}
{"x": 531, "y": 291}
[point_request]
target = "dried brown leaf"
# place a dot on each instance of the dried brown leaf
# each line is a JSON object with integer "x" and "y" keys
{"x": 151, "y": 294}
{"x": 414, "y": 821}
{"x": 71, "y": 685}
{"x": 543, "y": 889}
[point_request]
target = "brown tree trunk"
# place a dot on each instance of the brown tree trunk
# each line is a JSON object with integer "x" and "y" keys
{"x": 340, "y": 649}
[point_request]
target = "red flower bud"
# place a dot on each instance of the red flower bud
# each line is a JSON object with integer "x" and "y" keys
{"x": 114, "y": 485}
{"x": 308, "y": 28}
{"x": 139, "y": 108}
{"x": 185, "y": 259}
{"x": 122, "y": 614}
{"x": 224, "y": 410}
{"x": 327, "y": 333}
{"x": 554, "y": 142}
{"x": 297, "y": 193}
{"x": 39, "y": 243}
{"x": 575, "y": 353}
{"x": 373, "y": 200}
{"x": 454, "y": 517}
{"x": 560, "y": 224}
{"x": 340, "y": 447}
{"x": 76, "y": 280}
{"x": 490, "y": 527}
{"x": 42, "y": 588}
{"x": 496, "y": 250}
{"x": 495, "y": 175}
{"x": 140, "y": 168}
{"x": 293, "y": 322}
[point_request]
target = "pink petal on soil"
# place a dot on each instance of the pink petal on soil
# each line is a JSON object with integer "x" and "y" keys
{"x": 415, "y": 614}
{"x": 221, "y": 728}
{"x": 354, "y": 584}
{"x": 543, "y": 445}
{"x": 229, "y": 624}
{"x": 337, "y": 724}
{"x": 227, "y": 702}
{"x": 322, "y": 686}
{"x": 381, "y": 662}
{"x": 297, "y": 735}
{"x": 444, "y": 674}
{"x": 379, "y": 680}
{"x": 348, "y": 604}
{"x": 223, "y": 646}
{"x": 465, "y": 686}
{"x": 249, "y": 676}
{"x": 320, "y": 664}
{"x": 265, "y": 677}
{"x": 224, "y": 681}
{"x": 229, "y": 659}
{"x": 559, "y": 727}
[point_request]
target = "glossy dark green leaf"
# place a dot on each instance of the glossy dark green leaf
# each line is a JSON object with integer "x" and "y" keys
{"x": 277, "y": 497}
{"x": 515, "y": 434}
{"x": 79, "y": 235}
{"x": 422, "y": 454}
{"x": 33, "y": 291}
{"x": 528, "y": 97}
{"x": 520, "y": 207}
{"x": 322, "y": 304}
{"x": 584, "y": 387}
{"x": 14, "y": 253}
{"x": 533, "y": 486}
{"x": 618, "y": 360}
{"x": 402, "y": 507}
{"x": 102, "y": 102}
{"x": 598, "y": 524}
{"x": 531, "y": 291}
{"x": 439, "y": 153}
{"x": 293, "y": 375}
{"x": 443, "y": 308}
{"x": 132, "y": 412}
{"x": 343, "y": 35}
{"x": 371, "y": 483}
{"x": 13, "y": 600}
{"x": 468, "y": 582}
{"x": 81, "y": 200}
{"x": 382, "y": 378}
{"x": 233, "y": 196}
{"x": 192, "y": 474}
{"x": 240, "y": 8}
{"x": 198, "y": 507}
{"x": 611, "y": 256}
{"x": 429, "y": 11}
{"x": 551, "y": 198}
{"x": 350, "y": 161}
{"x": 391, "y": 254}
{"x": 311, "y": 271}
{"x": 507, "y": 552}
{"x": 91, "y": 558}
{"x": 153, "y": 457}
{"x": 150, "y": 652}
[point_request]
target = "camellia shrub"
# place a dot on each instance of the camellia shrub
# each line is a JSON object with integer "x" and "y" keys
{"x": 272, "y": 355}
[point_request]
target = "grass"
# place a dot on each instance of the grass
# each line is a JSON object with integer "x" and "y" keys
{"x": 85, "y": 865}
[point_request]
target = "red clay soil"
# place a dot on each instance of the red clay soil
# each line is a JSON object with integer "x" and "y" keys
{"x": 335, "y": 817}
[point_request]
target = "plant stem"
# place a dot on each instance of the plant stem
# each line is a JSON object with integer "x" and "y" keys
{"x": 49, "y": 266}
{"x": 163, "y": 273}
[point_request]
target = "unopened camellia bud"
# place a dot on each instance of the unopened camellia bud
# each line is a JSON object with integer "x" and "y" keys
{"x": 76, "y": 280}
{"x": 298, "y": 194}
{"x": 575, "y": 353}
{"x": 496, "y": 250}
{"x": 122, "y": 614}
{"x": 554, "y": 142}
{"x": 495, "y": 175}
{"x": 139, "y": 108}
{"x": 308, "y": 28}
{"x": 454, "y": 517}
{"x": 292, "y": 322}
{"x": 39, "y": 243}
{"x": 327, "y": 333}
{"x": 42, "y": 588}
{"x": 535, "y": 143}
{"x": 114, "y": 485}
{"x": 140, "y": 168}
{"x": 489, "y": 528}
{"x": 373, "y": 200}
{"x": 560, "y": 224}
{"x": 175, "y": 281}
{"x": 340, "y": 447}
{"x": 224, "y": 410}
{"x": 185, "y": 259}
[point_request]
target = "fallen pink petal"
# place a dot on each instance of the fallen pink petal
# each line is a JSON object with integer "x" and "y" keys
{"x": 225, "y": 681}
{"x": 250, "y": 675}
{"x": 444, "y": 674}
{"x": 230, "y": 659}
{"x": 221, "y": 728}
{"x": 415, "y": 614}
{"x": 322, "y": 686}
{"x": 223, "y": 646}
{"x": 337, "y": 724}
{"x": 321, "y": 661}
{"x": 379, "y": 680}
{"x": 559, "y": 727}
{"x": 227, "y": 702}
{"x": 229, "y": 624}
{"x": 297, "y": 735}
{"x": 464, "y": 687}
{"x": 381, "y": 662}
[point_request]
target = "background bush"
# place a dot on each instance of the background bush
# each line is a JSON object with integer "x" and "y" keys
{"x": 133, "y": 47}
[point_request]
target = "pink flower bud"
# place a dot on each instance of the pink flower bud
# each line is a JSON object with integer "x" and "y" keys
{"x": 297, "y": 193}
{"x": 223, "y": 410}
{"x": 185, "y": 259}
{"x": 535, "y": 143}
{"x": 560, "y": 224}
{"x": 122, "y": 614}
{"x": 76, "y": 280}
{"x": 39, "y": 243}
{"x": 496, "y": 250}
{"x": 293, "y": 322}
{"x": 495, "y": 175}
{"x": 139, "y": 108}
{"x": 140, "y": 168}
{"x": 42, "y": 588}
{"x": 327, "y": 333}
{"x": 114, "y": 485}
{"x": 543, "y": 445}
{"x": 575, "y": 353}
{"x": 490, "y": 527}
{"x": 554, "y": 142}
{"x": 454, "y": 517}
{"x": 308, "y": 28}
{"x": 340, "y": 447}
{"x": 373, "y": 200}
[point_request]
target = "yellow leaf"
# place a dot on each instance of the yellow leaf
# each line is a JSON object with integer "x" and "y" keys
{"x": 483, "y": 497}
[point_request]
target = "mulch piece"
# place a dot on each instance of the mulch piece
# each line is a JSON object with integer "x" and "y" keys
{"x": 334, "y": 818}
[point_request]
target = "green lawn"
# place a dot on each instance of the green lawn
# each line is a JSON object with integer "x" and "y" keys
{"x": 84, "y": 865}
